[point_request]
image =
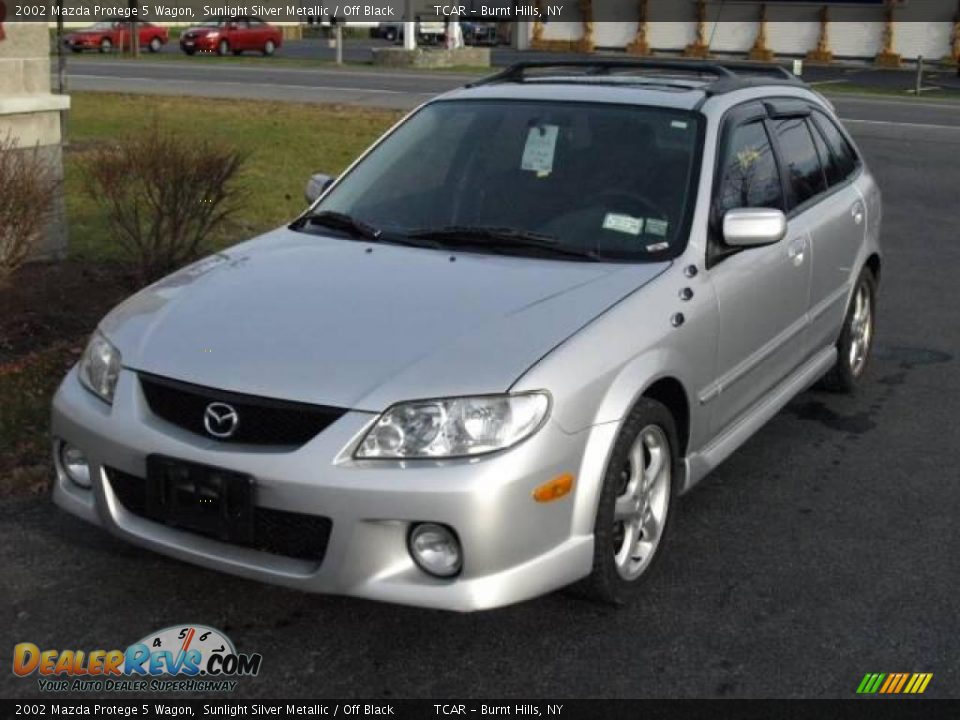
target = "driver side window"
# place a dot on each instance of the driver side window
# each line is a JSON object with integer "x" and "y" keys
{"x": 749, "y": 175}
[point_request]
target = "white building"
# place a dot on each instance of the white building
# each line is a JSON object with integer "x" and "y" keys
{"x": 29, "y": 113}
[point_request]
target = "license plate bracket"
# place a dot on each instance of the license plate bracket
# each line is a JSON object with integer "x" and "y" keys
{"x": 200, "y": 498}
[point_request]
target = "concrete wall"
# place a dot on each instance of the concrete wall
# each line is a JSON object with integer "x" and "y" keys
{"x": 30, "y": 114}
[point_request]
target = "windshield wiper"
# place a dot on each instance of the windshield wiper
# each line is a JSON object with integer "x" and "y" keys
{"x": 500, "y": 239}
{"x": 340, "y": 221}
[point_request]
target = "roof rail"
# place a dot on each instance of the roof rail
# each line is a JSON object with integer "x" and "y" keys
{"x": 517, "y": 71}
{"x": 726, "y": 75}
{"x": 757, "y": 68}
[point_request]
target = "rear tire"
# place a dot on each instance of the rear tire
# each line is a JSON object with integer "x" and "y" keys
{"x": 636, "y": 504}
{"x": 105, "y": 45}
{"x": 223, "y": 48}
{"x": 856, "y": 337}
{"x": 190, "y": 51}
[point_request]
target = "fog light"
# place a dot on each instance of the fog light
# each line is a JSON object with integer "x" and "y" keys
{"x": 75, "y": 465}
{"x": 435, "y": 549}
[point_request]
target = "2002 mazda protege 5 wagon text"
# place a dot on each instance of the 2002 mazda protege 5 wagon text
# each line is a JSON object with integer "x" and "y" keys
{"x": 487, "y": 360}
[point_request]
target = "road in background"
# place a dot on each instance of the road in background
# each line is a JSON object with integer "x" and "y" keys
{"x": 360, "y": 50}
{"x": 204, "y": 77}
{"x": 823, "y": 549}
{"x": 262, "y": 78}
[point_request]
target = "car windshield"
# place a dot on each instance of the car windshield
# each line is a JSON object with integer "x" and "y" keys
{"x": 610, "y": 182}
{"x": 103, "y": 25}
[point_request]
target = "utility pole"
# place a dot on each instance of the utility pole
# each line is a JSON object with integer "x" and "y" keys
{"x": 339, "y": 26}
{"x": 409, "y": 26}
{"x": 134, "y": 31}
{"x": 61, "y": 71}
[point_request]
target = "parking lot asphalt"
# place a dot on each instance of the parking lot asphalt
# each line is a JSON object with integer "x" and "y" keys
{"x": 823, "y": 549}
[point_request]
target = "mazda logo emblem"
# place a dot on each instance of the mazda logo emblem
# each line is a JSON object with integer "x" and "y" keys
{"x": 220, "y": 420}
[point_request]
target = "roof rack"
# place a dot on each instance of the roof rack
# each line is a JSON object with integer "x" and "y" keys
{"x": 727, "y": 75}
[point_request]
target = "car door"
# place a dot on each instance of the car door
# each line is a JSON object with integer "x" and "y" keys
{"x": 249, "y": 34}
{"x": 762, "y": 292}
{"x": 232, "y": 32}
{"x": 259, "y": 31}
{"x": 838, "y": 234}
{"x": 117, "y": 35}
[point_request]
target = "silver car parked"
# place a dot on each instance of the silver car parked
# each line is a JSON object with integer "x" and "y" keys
{"x": 492, "y": 354}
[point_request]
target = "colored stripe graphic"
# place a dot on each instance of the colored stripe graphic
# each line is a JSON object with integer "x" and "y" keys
{"x": 894, "y": 683}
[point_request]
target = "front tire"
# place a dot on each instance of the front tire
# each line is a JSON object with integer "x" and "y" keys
{"x": 269, "y": 48}
{"x": 105, "y": 45}
{"x": 223, "y": 48}
{"x": 856, "y": 337}
{"x": 155, "y": 45}
{"x": 636, "y": 501}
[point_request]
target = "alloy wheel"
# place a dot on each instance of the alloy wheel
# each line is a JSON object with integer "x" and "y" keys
{"x": 861, "y": 330}
{"x": 641, "y": 507}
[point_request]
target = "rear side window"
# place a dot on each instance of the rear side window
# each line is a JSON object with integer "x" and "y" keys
{"x": 801, "y": 162}
{"x": 750, "y": 177}
{"x": 843, "y": 159}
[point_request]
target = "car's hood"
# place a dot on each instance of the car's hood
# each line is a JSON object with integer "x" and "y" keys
{"x": 337, "y": 322}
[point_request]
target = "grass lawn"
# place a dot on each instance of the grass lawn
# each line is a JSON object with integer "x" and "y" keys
{"x": 48, "y": 309}
{"x": 286, "y": 143}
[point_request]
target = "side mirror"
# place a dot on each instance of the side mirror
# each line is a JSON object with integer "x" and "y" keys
{"x": 752, "y": 227}
{"x": 316, "y": 185}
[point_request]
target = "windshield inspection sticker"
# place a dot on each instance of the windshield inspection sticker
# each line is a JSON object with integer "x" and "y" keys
{"x": 657, "y": 227}
{"x": 623, "y": 223}
{"x": 540, "y": 148}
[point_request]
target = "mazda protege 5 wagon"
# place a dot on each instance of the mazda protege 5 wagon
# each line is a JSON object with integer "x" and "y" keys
{"x": 491, "y": 355}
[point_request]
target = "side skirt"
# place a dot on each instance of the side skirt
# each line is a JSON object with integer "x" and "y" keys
{"x": 700, "y": 463}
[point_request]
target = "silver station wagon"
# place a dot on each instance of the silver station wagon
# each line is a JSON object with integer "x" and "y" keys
{"x": 491, "y": 355}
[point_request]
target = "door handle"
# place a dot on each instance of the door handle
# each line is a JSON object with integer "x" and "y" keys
{"x": 795, "y": 251}
{"x": 857, "y": 212}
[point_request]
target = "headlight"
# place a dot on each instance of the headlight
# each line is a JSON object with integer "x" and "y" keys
{"x": 100, "y": 367}
{"x": 454, "y": 427}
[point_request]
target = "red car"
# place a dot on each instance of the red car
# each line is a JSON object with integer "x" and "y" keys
{"x": 232, "y": 35}
{"x": 109, "y": 34}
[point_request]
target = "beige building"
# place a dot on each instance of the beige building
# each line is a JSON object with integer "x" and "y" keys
{"x": 30, "y": 113}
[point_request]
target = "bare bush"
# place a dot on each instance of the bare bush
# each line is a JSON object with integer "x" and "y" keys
{"x": 28, "y": 186}
{"x": 164, "y": 195}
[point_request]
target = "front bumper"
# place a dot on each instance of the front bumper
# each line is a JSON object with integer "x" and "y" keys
{"x": 513, "y": 547}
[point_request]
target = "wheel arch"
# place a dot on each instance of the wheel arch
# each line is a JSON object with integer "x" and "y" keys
{"x": 873, "y": 262}
{"x": 666, "y": 389}
{"x": 670, "y": 392}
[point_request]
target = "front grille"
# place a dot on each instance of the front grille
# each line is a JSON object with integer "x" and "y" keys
{"x": 262, "y": 421}
{"x": 293, "y": 535}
